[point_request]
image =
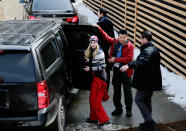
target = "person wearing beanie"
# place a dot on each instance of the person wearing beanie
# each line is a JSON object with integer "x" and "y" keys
{"x": 98, "y": 92}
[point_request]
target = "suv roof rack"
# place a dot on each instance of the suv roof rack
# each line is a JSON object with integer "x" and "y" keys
{"x": 24, "y": 32}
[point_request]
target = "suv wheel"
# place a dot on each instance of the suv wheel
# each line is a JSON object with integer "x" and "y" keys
{"x": 59, "y": 123}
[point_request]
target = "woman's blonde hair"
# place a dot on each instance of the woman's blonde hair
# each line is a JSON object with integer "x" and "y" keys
{"x": 88, "y": 51}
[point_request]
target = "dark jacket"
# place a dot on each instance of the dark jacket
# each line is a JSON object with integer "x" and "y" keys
{"x": 147, "y": 73}
{"x": 127, "y": 50}
{"x": 107, "y": 26}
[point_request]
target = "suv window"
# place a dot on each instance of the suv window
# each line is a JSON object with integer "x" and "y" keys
{"x": 59, "y": 39}
{"x": 49, "y": 54}
{"x": 22, "y": 69}
{"x": 52, "y": 5}
{"x": 60, "y": 43}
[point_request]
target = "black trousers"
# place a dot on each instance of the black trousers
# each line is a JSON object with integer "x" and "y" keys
{"x": 108, "y": 78}
{"x": 119, "y": 79}
{"x": 143, "y": 101}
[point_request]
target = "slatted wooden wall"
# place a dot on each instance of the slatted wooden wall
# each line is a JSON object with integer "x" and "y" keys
{"x": 166, "y": 19}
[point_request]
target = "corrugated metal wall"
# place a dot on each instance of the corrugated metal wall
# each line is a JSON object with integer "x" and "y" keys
{"x": 166, "y": 19}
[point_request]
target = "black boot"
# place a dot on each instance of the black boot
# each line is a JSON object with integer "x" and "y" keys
{"x": 128, "y": 114}
{"x": 91, "y": 121}
{"x": 147, "y": 126}
{"x": 117, "y": 112}
{"x": 103, "y": 124}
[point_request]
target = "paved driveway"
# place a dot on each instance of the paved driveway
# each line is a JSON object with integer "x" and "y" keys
{"x": 164, "y": 111}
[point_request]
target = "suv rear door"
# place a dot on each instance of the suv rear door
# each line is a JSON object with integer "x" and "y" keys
{"x": 17, "y": 79}
{"x": 78, "y": 40}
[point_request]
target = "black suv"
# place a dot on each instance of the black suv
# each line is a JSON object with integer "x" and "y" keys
{"x": 41, "y": 60}
{"x": 51, "y": 8}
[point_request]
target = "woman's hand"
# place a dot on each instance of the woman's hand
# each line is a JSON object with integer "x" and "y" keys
{"x": 86, "y": 60}
{"x": 124, "y": 68}
{"x": 87, "y": 68}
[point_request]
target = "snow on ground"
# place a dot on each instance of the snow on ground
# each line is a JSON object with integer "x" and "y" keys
{"x": 174, "y": 85}
{"x": 94, "y": 127}
{"x": 84, "y": 11}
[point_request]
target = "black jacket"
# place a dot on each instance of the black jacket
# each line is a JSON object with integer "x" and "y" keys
{"x": 147, "y": 73}
{"x": 107, "y": 26}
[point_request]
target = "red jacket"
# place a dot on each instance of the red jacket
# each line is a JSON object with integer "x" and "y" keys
{"x": 127, "y": 50}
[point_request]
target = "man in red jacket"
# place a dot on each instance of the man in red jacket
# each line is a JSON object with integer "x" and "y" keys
{"x": 122, "y": 52}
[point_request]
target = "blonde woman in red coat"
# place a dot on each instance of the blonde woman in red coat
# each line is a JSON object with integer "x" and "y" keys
{"x": 98, "y": 93}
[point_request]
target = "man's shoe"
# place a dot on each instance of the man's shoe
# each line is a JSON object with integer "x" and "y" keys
{"x": 117, "y": 112}
{"x": 91, "y": 121}
{"x": 141, "y": 125}
{"x": 104, "y": 124}
{"x": 147, "y": 126}
{"x": 128, "y": 114}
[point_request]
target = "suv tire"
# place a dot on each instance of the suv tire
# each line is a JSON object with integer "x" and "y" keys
{"x": 59, "y": 123}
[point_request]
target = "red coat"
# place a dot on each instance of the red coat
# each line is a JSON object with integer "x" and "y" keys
{"x": 127, "y": 50}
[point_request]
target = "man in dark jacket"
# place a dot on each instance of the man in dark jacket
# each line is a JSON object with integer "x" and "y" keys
{"x": 105, "y": 23}
{"x": 147, "y": 77}
{"x": 107, "y": 26}
{"x": 122, "y": 52}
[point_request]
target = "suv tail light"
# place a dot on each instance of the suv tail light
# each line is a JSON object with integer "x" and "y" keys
{"x": 1, "y": 80}
{"x": 31, "y": 17}
{"x": 43, "y": 94}
{"x": 1, "y": 51}
{"x": 74, "y": 19}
